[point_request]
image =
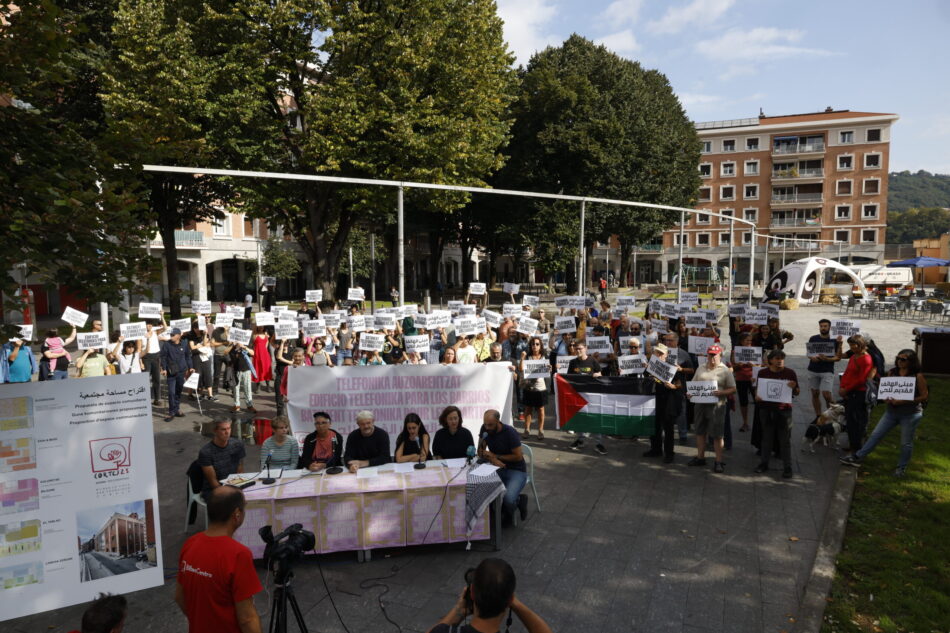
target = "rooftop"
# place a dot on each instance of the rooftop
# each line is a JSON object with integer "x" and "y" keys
{"x": 808, "y": 117}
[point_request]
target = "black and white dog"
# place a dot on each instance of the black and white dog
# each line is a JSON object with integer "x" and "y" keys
{"x": 825, "y": 428}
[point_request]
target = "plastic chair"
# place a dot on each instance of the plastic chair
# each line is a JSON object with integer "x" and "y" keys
{"x": 194, "y": 498}
{"x": 529, "y": 455}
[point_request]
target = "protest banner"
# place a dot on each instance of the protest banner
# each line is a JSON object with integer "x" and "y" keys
{"x": 631, "y": 364}
{"x": 696, "y": 320}
{"x": 417, "y": 343}
{"x": 331, "y": 320}
{"x": 536, "y": 368}
{"x": 565, "y": 324}
{"x": 223, "y": 319}
{"x": 748, "y": 354}
{"x": 269, "y": 281}
{"x": 821, "y": 348}
{"x": 182, "y": 324}
{"x": 774, "y": 390}
{"x": 132, "y": 331}
{"x": 355, "y": 294}
{"x": 392, "y": 391}
{"x": 689, "y": 298}
{"x": 527, "y": 325}
{"x": 455, "y": 306}
{"x": 357, "y": 323}
{"x": 702, "y": 391}
{"x": 845, "y": 327}
{"x": 897, "y": 388}
{"x": 662, "y": 371}
{"x": 563, "y": 362}
{"x": 737, "y": 309}
{"x": 384, "y": 321}
{"x": 372, "y": 342}
{"x": 476, "y": 288}
{"x": 75, "y": 317}
{"x": 467, "y": 309}
{"x": 201, "y": 307}
{"x": 150, "y": 311}
{"x": 286, "y": 330}
{"x": 240, "y": 336}
{"x": 92, "y": 340}
{"x": 599, "y": 345}
{"x": 264, "y": 319}
{"x": 78, "y": 461}
{"x": 313, "y": 296}
{"x": 511, "y": 289}
{"x": 492, "y": 318}
{"x": 530, "y": 300}
{"x": 699, "y": 344}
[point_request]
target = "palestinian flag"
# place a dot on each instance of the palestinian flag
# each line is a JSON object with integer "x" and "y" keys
{"x": 613, "y": 405}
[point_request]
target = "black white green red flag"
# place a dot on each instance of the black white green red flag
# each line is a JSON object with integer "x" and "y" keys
{"x": 615, "y": 405}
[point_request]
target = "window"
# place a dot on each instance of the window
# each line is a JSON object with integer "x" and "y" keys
{"x": 729, "y": 145}
{"x": 676, "y": 239}
{"x": 706, "y": 147}
{"x": 872, "y": 161}
{"x": 705, "y": 170}
{"x": 872, "y": 185}
{"x": 727, "y": 192}
{"x": 843, "y": 188}
{"x": 702, "y": 218}
{"x": 250, "y": 227}
{"x": 727, "y": 212}
{"x": 873, "y": 135}
{"x": 843, "y": 212}
{"x": 843, "y": 236}
{"x": 869, "y": 211}
{"x": 750, "y": 214}
{"x": 747, "y": 238}
{"x": 705, "y": 194}
{"x": 222, "y": 227}
{"x": 845, "y": 162}
{"x": 752, "y": 144}
{"x": 702, "y": 239}
{"x": 750, "y": 192}
{"x": 724, "y": 239}
{"x": 728, "y": 169}
{"x": 868, "y": 236}
{"x": 846, "y": 138}
{"x": 752, "y": 168}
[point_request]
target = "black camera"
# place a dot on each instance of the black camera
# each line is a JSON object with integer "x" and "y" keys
{"x": 283, "y": 549}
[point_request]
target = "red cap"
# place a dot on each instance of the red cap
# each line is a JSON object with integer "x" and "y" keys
{"x": 713, "y": 349}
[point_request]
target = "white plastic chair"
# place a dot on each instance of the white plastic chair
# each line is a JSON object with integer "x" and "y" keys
{"x": 194, "y": 497}
{"x": 530, "y": 459}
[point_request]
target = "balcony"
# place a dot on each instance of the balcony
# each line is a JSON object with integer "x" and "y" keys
{"x": 648, "y": 248}
{"x": 780, "y": 222}
{"x": 798, "y": 174}
{"x": 796, "y": 198}
{"x": 183, "y": 239}
{"x": 790, "y": 149}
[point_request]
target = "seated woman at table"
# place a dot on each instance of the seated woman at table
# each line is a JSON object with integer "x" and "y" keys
{"x": 323, "y": 447}
{"x": 281, "y": 446}
{"x": 412, "y": 445}
{"x": 452, "y": 440}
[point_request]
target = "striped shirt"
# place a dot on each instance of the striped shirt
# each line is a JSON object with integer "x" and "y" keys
{"x": 283, "y": 456}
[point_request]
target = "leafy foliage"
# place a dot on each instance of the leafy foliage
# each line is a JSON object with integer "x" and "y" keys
{"x": 903, "y": 227}
{"x": 279, "y": 260}
{"x": 923, "y": 189}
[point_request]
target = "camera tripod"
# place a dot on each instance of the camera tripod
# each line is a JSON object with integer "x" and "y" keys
{"x": 284, "y": 593}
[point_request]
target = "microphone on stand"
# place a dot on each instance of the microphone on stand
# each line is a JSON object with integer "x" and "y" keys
{"x": 421, "y": 463}
{"x": 268, "y": 480}
{"x": 469, "y": 455}
{"x": 333, "y": 470}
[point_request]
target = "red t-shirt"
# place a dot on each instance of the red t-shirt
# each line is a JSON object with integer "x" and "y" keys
{"x": 216, "y": 572}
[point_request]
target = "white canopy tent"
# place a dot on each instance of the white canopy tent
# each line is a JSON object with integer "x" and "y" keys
{"x": 801, "y": 279}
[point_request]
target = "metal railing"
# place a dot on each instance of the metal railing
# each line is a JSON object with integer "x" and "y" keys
{"x": 795, "y": 221}
{"x": 185, "y": 239}
{"x": 798, "y": 148}
{"x": 797, "y": 197}
{"x": 815, "y": 172}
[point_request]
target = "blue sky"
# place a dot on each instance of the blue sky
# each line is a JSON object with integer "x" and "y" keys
{"x": 727, "y": 58}
{"x": 90, "y": 521}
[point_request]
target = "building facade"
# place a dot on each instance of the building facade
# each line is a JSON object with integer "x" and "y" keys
{"x": 122, "y": 534}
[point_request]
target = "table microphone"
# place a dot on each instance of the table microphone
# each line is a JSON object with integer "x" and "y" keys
{"x": 333, "y": 470}
{"x": 469, "y": 455}
{"x": 422, "y": 464}
{"x": 268, "y": 480}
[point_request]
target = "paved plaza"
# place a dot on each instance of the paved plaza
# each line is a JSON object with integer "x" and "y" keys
{"x": 624, "y": 543}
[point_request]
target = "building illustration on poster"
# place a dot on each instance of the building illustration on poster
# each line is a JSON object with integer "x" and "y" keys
{"x": 115, "y": 540}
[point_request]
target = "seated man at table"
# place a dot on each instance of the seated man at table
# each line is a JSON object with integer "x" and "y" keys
{"x": 322, "y": 448}
{"x": 500, "y": 445}
{"x": 367, "y": 445}
{"x": 222, "y": 456}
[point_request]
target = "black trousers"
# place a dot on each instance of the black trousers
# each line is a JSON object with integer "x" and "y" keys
{"x": 662, "y": 438}
{"x": 153, "y": 367}
{"x": 856, "y": 414}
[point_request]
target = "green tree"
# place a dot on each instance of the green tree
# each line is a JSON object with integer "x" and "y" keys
{"x": 921, "y": 189}
{"x": 903, "y": 227}
{"x": 279, "y": 259}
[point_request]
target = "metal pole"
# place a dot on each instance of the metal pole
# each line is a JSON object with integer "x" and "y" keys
{"x": 732, "y": 278}
{"x": 104, "y": 317}
{"x": 580, "y": 252}
{"x": 635, "y": 266}
{"x": 784, "y": 242}
{"x": 765, "y": 261}
{"x": 679, "y": 273}
{"x": 372, "y": 276}
{"x": 752, "y": 266}
{"x": 351, "y": 267}
{"x": 400, "y": 247}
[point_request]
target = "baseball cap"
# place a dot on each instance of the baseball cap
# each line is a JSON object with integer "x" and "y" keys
{"x": 174, "y": 331}
{"x": 713, "y": 349}
{"x": 660, "y": 347}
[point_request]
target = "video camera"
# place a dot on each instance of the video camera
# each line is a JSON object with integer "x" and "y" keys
{"x": 278, "y": 555}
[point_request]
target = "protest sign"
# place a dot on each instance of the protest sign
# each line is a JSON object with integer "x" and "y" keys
{"x": 821, "y": 348}
{"x": 264, "y": 318}
{"x": 384, "y": 321}
{"x": 737, "y": 309}
{"x": 624, "y": 342}
{"x": 331, "y": 320}
{"x": 480, "y": 324}
{"x": 710, "y": 315}
{"x": 690, "y": 298}
{"x": 75, "y": 317}
{"x": 467, "y": 309}
{"x": 511, "y": 309}
{"x": 563, "y": 362}
{"x": 660, "y": 325}
{"x": 598, "y": 344}
{"x": 357, "y": 323}
{"x": 897, "y": 388}
{"x": 372, "y": 342}
{"x": 182, "y": 324}
{"x": 192, "y": 381}
{"x": 455, "y": 306}
{"x": 773, "y": 390}
{"x": 410, "y": 309}
{"x": 417, "y": 343}
{"x": 269, "y": 281}
{"x": 527, "y": 325}
{"x": 466, "y": 326}
{"x": 627, "y": 303}
{"x": 201, "y": 307}
{"x": 748, "y": 354}
{"x": 699, "y": 344}
{"x": 286, "y": 330}
{"x": 276, "y": 309}
{"x": 577, "y": 303}
{"x": 631, "y": 364}
{"x": 511, "y": 289}
{"x": 238, "y": 335}
{"x": 92, "y": 340}
{"x": 667, "y": 310}
{"x": 313, "y": 296}
{"x": 223, "y": 319}
{"x": 421, "y": 320}
{"x": 236, "y": 311}
{"x": 315, "y": 328}
{"x": 771, "y": 309}
{"x": 682, "y": 309}
{"x": 530, "y": 300}
{"x": 355, "y": 294}
{"x": 492, "y": 318}
{"x": 26, "y": 332}
{"x": 132, "y": 331}
{"x": 663, "y": 372}
{"x": 150, "y": 310}
{"x": 476, "y": 288}
{"x": 561, "y": 302}
{"x": 565, "y": 324}
{"x": 438, "y": 319}
{"x": 756, "y": 317}
{"x": 696, "y": 320}
{"x": 845, "y": 327}
{"x": 702, "y": 391}
{"x": 536, "y": 368}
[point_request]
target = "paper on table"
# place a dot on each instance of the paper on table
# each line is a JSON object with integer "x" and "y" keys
{"x": 296, "y": 472}
{"x": 456, "y": 462}
{"x": 484, "y": 470}
{"x": 366, "y": 473}
{"x": 405, "y": 467}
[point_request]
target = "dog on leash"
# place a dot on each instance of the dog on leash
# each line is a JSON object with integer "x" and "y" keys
{"x": 825, "y": 428}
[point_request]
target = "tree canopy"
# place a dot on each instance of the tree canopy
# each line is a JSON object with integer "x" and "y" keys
{"x": 903, "y": 227}
{"x": 922, "y": 189}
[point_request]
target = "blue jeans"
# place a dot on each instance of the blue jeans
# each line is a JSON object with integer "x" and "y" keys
{"x": 60, "y": 374}
{"x": 908, "y": 423}
{"x": 175, "y": 384}
{"x": 514, "y": 481}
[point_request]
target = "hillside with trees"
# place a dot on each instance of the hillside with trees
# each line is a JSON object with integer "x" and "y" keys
{"x": 922, "y": 189}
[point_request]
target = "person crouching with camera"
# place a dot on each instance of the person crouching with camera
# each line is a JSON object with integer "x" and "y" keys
{"x": 216, "y": 576}
{"x": 489, "y": 598}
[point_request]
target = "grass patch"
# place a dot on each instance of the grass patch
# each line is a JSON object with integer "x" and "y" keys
{"x": 893, "y": 573}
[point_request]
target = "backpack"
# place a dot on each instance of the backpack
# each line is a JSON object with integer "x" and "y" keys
{"x": 877, "y": 360}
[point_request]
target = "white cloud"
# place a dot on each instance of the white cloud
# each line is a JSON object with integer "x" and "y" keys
{"x": 621, "y": 12}
{"x": 941, "y": 126}
{"x": 759, "y": 44}
{"x": 694, "y": 99}
{"x": 696, "y": 12}
{"x": 622, "y": 42}
{"x": 525, "y": 22}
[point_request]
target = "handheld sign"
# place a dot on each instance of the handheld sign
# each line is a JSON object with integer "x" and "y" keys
{"x": 563, "y": 362}
{"x": 132, "y": 331}
{"x": 455, "y": 307}
{"x": 192, "y": 381}
{"x": 691, "y": 298}
{"x": 845, "y": 328}
{"x": 661, "y": 326}
{"x": 667, "y": 310}
{"x": 624, "y": 341}
{"x": 699, "y": 344}
{"x": 466, "y": 326}
{"x": 357, "y": 323}
{"x": 313, "y": 296}
{"x": 696, "y": 320}
{"x": 771, "y": 309}
{"x": 897, "y": 388}
{"x": 561, "y": 302}
{"x": 598, "y": 344}
{"x": 537, "y": 368}
{"x": 773, "y": 390}
{"x": 577, "y": 303}
{"x": 421, "y": 320}
{"x": 315, "y": 328}
{"x": 511, "y": 309}
{"x": 331, "y": 320}
{"x": 270, "y": 281}
{"x": 26, "y": 332}
{"x": 476, "y": 288}
{"x": 372, "y": 342}
{"x": 480, "y": 324}
{"x": 182, "y": 324}
{"x": 222, "y": 319}
{"x": 821, "y": 348}
{"x": 527, "y": 325}
{"x": 491, "y": 318}
{"x": 286, "y": 330}
{"x": 439, "y": 318}
{"x": 150, "y": 310}
{"x": 756, "y": 317}
{"x": 628, "y": 303}
{"x": 565, "y": 324}
{"x": 530, "y": 300}
{"x": 384, "y": 321}
{"x": 75, "y": 317}
{"x": 238, "y": 335}
{"x": 467, "y": 309}
{"x": 355, "y": 294}
{"x": 417, "y": 343}
{"x": 748, "y": 354}
{"x": 632, "y": 364}
{"x": 737, "y": 309}
{"x": 710, "y": 315}
{"x": 511, "y": 289}
{"x": 201, "y": 307}
{"x": 236, "y": 311}
{"x": 662, "y": 371}
{"x": 264, "y": 318}
{"x": 92, "y": 340}
{"x": 702, "y": 391}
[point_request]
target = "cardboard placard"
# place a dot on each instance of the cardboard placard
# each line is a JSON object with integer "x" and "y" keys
{"x": 628, "y": 303}
{"x": 132, "y": 331}
{"x": 632, "y": 364}
{"x": 737, "y": 309}
{"x": 439, "y": 318}
{"x": 667, "y": 310}
{"x": 192, "y": 381}
{"x": 315, "y": 328}
{"x": 223, "y": 319}
{"x": 511, "y": 289}
{"x": 599, "y": 345}
{"x": 774, "y": 390}
{"x": 492, "y": 318}
{"x": 75, "y": 317}
{"x": 384, "y": 321}
{"x": 748, "y": 354}
{"x": 269, "y": 281}
{"x": 565, "y": 324}
{"x": 530, "y": 300}
{"x": 821, "y": 348}
{"x": 511, "y": 309}
{"x": 563, "y": 362}
{"x": 286, "y": 330}
{"x": 201, "y": 307}
{"x": 26, "y": 332}
{"x": 355, "y": 294}
{"x": 702, "y": 391}
{"x": 357, "y": 323}
{"x": 454, "y": 306}
{"x": 467, "y": 309}
{"x": 661, "y": 370}
{"x": 182, "y": 324}
{"x": 92, "y": 340}
{"x": 770, "y": 309}
{"x": 689, "y": 298}
{"x": 897, "y": 388}
{"x": 238, "y": 335}
{"x": 372, "y": 342}
{"x": 527, "y": 325}
{"x": 845, "y": 327}
{"x": 624, "y": 342}
{"x": 331, "y": 320}
{"x": 236, "y": 311}
{"x": 264, "y": 318}
{"x": 756, "y": 317}
{"x": 313, "y": 296}
{"x": 699, "y": 344}
{"x": 476, "y": 288}
{"x": 417, "y": 343}
{"x": 150, "y": 311}
{"x": 577, "y": 303}
{"x": 466, "y": 326}
{"x": 696, "y": 320}
{"x": 536, "y": 368}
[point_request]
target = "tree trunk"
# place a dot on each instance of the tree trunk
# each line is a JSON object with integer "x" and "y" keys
{"x": 436, "y": 247}
{"x": 492, "y": 273}
{"x": 162, "y": 208}
{"x": 625, "y": 250}
{"x": 570, "y": 278}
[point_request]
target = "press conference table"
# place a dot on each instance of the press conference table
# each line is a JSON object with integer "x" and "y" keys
{"x": 391, "y": 509}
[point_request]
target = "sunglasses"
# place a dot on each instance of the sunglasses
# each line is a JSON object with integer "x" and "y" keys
{"x": 902, "y": 358}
